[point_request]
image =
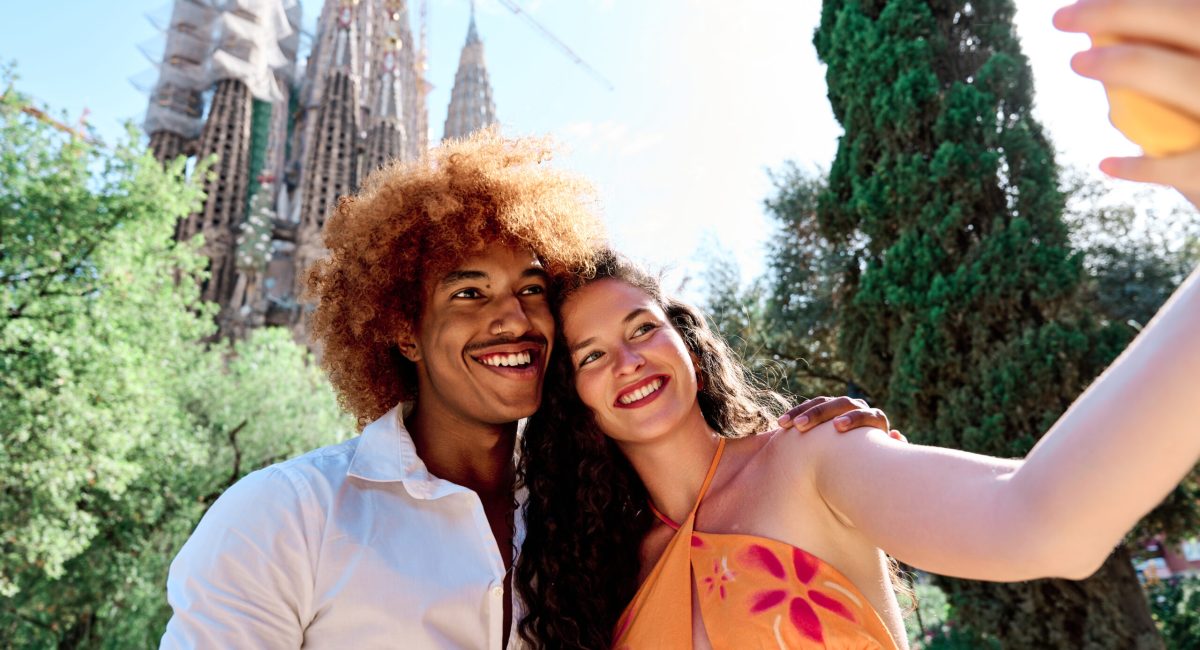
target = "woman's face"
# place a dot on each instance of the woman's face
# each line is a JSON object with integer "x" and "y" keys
{"x": 632, "y": 369}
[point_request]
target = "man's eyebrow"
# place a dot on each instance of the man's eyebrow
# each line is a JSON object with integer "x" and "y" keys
{"x": 632, "y": 315}
{"x": 535, "y": 272}
{"x": 460, "y": 275}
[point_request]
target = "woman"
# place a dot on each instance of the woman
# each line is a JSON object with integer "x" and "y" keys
{"x": 642, "y": 468}
{"x": 669, "y": 488}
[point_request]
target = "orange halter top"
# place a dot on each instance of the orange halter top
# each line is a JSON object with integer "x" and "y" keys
{"x": 753, "y": 592}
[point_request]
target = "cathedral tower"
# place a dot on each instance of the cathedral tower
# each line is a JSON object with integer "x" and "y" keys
{"x": 471, "y": 105}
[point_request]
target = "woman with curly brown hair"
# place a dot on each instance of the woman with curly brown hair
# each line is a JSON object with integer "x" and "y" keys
{"x": 658, "y": 519}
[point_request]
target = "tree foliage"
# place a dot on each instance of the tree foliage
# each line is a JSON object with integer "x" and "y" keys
{"x": 784, "y": 324}
{"x": 118, "y": 425}
{"x": 962, "y": 311}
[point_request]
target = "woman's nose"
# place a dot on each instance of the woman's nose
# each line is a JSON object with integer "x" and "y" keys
{"x": 628, "y": 360}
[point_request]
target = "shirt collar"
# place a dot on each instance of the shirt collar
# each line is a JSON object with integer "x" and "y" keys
{"x": 386, "y": 453}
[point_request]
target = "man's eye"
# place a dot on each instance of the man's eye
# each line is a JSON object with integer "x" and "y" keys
{"x": 592, "y": 356}
{"x": 467, "y": 293}
{"x": 533, "y": 290}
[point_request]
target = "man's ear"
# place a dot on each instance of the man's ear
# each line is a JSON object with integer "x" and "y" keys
{"x": 407, "y": 344}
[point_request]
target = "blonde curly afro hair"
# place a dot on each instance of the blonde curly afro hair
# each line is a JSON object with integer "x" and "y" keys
{"x": 418, "y": 220}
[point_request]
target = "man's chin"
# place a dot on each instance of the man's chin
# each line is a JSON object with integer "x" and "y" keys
{"x": 511, "y": 409}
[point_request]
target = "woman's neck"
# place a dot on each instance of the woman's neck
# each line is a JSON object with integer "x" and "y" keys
{"x": 673, "y": 466}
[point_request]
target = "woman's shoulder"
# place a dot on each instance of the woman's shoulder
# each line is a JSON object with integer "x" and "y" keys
{"x": 770, "y": 461}
{"x": 790, "y": 449}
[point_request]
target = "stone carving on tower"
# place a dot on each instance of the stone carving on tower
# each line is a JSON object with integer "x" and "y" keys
{"x": 392, "y": 92}
{"x": 471, "y": 104}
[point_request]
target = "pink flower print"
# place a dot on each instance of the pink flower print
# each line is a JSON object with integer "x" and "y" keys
{"x": 805, "y": 620}
{"x": 805, "y": 564}
{"x": 721, "y": 575}
{"x": 830, "y": 604}
{"x": 764, "y": 600}
{"x": 761, "y": 557}
{"x": 800, "y": 601}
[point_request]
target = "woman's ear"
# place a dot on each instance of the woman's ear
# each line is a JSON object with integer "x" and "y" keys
{"x": 699, "y": 370}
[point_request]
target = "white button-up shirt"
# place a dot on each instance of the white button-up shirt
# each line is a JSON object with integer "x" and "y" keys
{"x": 355, "y": 545}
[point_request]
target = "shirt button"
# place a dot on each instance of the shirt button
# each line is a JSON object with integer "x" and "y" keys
{"x": 497, "y": 591}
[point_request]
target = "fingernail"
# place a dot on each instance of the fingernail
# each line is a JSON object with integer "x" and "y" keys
{"x": 1113, "y": 166}
{"x": 802, "y": 420}
{"x": 783, "y": 420}
{"x": 1063, "y": 16}
{"x": 841, "y": 422}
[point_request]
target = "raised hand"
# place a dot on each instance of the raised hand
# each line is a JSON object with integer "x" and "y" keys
{"x": 1151, "y": 48}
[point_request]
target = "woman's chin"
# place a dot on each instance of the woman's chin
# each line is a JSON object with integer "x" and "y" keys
{"x": 643, "y": 430}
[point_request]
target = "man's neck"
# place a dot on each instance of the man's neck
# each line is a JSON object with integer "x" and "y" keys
{"x": 471, "y": 454}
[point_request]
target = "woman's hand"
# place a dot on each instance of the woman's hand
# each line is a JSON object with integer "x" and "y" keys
{"x": 845, "y": 412}
{"x": 1158, "y": 56}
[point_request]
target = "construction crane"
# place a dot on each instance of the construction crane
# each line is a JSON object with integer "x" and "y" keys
{"x": 42, "y": 116}
{"x": 512, "y": 6}
{"x": 546, "y": 33}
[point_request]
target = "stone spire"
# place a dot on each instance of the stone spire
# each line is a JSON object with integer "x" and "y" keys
{"x": 471, "y": 105}
{"x": 227, "y": 134}
{"x": 332, "y": 123}
{"x": 331, "y": 153}
{"x": 392, "y": 93}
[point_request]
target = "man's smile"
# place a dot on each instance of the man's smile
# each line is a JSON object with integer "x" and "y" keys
{"x": 517, "y": 361}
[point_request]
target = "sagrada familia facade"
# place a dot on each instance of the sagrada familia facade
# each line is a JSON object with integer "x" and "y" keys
{"x": 290, "y": 138}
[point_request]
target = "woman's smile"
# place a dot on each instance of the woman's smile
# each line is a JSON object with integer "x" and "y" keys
{"x": 641, "y": 393}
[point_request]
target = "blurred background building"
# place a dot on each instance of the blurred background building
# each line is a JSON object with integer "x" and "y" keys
{"x": 291, "y": 135}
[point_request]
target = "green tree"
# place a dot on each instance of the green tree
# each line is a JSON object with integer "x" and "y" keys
{"x": 962, "y": 315}
{"x": 784, "y": 324}
{"x": 118, "y": 427}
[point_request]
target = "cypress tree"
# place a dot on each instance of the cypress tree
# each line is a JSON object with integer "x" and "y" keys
{"x": 962, "y": 316}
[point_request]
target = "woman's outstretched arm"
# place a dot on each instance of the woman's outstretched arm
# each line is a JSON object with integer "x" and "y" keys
{"x": 1124, "y": 444}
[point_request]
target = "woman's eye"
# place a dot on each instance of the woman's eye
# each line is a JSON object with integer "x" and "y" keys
{"x": 644, "y": 328}
{"x": 590, "y": 357}
{"x": 467, "y": 293}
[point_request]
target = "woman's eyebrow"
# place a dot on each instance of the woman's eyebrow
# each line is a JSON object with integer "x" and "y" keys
{"x": 628, "y": 317}
{"x": 634, "y": 314}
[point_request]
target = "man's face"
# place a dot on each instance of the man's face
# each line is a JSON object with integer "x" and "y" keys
{"x": 483, "y": 338}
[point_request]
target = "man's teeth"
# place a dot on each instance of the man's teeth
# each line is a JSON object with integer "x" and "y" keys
{"x": 518, "y": 359}
{"x": 638, "y": 394}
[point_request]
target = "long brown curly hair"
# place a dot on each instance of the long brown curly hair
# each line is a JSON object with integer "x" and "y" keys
{"x": 586, "y": 509}
{"x": 417, "y": 220}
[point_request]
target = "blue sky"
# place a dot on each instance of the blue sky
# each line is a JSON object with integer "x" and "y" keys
{"x": 708, "y": 96}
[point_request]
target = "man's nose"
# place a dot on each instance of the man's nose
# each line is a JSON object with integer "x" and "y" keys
{"x": 509, "y": 318}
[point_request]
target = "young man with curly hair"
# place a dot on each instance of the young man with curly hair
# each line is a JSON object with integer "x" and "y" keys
{"x": 433, "y": 323}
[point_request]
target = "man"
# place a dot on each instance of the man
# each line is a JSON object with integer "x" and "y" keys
{"x": 435, "y": 329}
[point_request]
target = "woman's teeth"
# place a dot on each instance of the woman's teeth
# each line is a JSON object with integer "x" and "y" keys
{"x": 642, "y": 392}
{"x": 518, "y": 359}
